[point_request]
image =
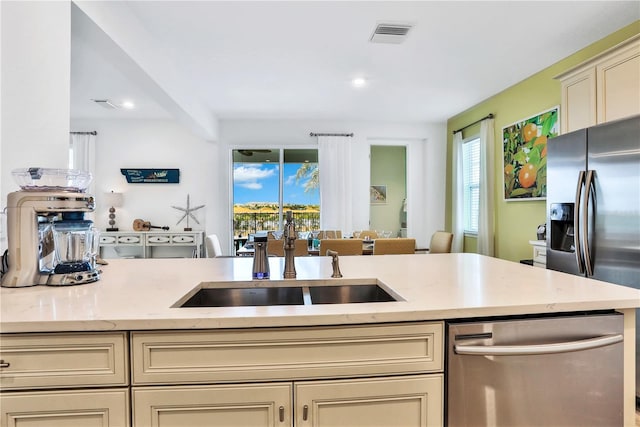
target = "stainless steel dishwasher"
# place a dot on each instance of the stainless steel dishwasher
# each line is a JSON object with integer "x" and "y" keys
{"x": 538, "y": 371}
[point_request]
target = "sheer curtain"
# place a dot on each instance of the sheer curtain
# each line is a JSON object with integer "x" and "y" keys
{"x": 458, "y": 195}
{"x": 334, "y": 158}
{"x": 486, "y": 211}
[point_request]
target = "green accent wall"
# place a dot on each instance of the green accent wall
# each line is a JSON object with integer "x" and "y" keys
{"x": 388, "y": 167}
{"x": 516, "y": 221}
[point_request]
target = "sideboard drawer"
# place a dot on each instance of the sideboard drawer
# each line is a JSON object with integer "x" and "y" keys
{"x": 185, "y": 238}
{"x": 108, "y": 240}
{"x": 192, "y": 357}
{"x": 132, "y": 239}
{"x": 63, "y": 360}
{"x": 159, "y": 239}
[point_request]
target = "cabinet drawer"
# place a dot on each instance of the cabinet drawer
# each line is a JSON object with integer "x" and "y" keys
{"x": 193, "y": 357}
{"x": 159, "y": 239}
{"x": 184, "y": 239}
{"x": 86, "y": 408}
{"x": 133, "y": 239}
{"x": 63, "y": 360}
{"x": 108, "y": 240}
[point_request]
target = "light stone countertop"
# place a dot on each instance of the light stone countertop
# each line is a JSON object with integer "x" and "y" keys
{"x": 138, "y": 294}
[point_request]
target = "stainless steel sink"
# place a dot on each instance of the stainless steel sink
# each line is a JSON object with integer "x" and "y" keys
{"x": 235, "y": 297}
{"x": 347, "y": 294}
{"x": 281, "y": 292}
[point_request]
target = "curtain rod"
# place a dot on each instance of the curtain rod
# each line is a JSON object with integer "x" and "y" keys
{"x": 489, "y": 116}
{"x": 93, "y": 132}
{"x": 331, "y": 134}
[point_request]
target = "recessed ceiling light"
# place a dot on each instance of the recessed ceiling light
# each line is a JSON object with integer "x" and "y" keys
{"x": 359, "y": 82}
{"x": 128, "y": 105}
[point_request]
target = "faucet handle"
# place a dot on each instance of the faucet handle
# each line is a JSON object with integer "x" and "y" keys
{"x": 335, "y": 263}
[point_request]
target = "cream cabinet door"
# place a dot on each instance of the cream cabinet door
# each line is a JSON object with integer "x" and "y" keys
{"x": 578, "y": 109}
{"x": 223, "y": 405}
{"x": 85, "y": 408}
{"x": 618, "y": 81}
{"x": 415, "y": 400}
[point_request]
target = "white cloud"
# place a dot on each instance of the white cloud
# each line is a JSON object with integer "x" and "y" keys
{"x": 251, "y": 185}
{"x": 251, "y": 173}
{"x": 249, "y": 176}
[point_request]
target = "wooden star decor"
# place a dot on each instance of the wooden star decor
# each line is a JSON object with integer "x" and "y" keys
{"x": 188, "y": 213}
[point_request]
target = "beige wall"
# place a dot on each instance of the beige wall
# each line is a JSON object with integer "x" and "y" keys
{"x": 516, "y": 221}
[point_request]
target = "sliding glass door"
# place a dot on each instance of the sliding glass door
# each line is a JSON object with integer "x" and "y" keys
{"x": 269, "y": 182}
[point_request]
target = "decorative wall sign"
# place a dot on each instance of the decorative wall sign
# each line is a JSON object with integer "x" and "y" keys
{"x": 378, "y": 194}
{"x": 524, "y": 145}
{"x": 151, "y": 176}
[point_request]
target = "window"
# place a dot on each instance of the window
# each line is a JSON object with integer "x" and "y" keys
{"x": 471, "y": 183}
{"x": 269, "y": 182}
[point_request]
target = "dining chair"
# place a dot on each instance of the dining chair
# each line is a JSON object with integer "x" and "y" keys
{"x": 275, "y": 247}
{"x": 440, "y": 242}
{"x": 368, "y": 234}
{"x": 212, "y": 245}
{"x": 402, "y": 245}
{"x": 342, "y": 246}
{"x": 330, "y": 234}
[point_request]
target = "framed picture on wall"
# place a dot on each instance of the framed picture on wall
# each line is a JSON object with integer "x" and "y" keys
{"x": 378, "y": 194}
{"x": 524, "y": 145}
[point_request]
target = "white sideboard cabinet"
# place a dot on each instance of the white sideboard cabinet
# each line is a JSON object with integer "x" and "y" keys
{"x": 603, "y": 88}
{"x": 151, "y": 244}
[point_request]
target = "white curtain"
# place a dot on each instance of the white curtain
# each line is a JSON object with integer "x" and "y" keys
{"x": 334, "y": 158}
{"x": 458, "y": 194}
{"x": 486, "y": 208}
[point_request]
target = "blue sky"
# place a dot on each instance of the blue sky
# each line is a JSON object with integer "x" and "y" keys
{"x": 258, "y": 182}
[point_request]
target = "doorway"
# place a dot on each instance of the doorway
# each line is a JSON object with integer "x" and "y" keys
{"x": 388, "y": 189}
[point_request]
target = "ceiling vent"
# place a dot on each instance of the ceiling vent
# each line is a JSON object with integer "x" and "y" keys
{"x": 390, "y": 33}
{"x": 105, "y": 103}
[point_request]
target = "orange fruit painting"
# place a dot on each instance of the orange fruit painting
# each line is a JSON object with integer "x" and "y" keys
{"x": 524, "y": 146}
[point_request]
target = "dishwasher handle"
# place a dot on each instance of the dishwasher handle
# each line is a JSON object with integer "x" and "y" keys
{"x": 521, "y": 350}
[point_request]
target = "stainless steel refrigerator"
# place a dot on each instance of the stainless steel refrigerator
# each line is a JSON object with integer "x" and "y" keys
{"x": 593, "y": 206}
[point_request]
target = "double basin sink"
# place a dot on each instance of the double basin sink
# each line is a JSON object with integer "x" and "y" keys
{"x": 287, "y": 292}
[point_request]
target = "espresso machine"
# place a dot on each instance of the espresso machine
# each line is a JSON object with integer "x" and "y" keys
{"x": 49, "y": 240}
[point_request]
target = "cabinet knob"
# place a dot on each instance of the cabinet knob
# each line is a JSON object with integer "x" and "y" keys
{"x": 281, "y": 411}
{"x": 305, "y": 412}
{"x": 4, "y": 364}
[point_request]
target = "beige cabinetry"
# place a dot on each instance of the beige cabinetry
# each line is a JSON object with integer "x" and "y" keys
{"x": 68, "y": 408}
{"x": 602, "y": 89}
{"x": 291, "y": 376}
{"x": 252, "y": 405}
{"x": 410, "y": 401}
{"x": 74, "y": 379}
{"x": 539, "y": 253}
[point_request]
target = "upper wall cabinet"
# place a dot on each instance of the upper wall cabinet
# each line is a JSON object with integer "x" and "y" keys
{"x": 602, "y": 89}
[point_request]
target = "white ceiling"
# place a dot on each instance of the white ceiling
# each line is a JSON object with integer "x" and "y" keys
{"x": 295, "y": 59}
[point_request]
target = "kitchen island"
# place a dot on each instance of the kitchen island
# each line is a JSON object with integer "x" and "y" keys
{"x": 133, "y": 305}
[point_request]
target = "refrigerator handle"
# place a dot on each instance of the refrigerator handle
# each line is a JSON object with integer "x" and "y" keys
{"x": 588, "y": 188}
{"x": 576, "y": 224}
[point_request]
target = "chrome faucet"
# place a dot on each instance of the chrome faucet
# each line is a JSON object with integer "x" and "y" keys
{"x": 335, "y": 263}
{"x": 289, "y": 247}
